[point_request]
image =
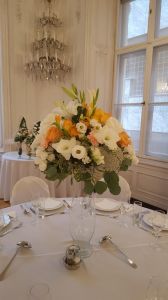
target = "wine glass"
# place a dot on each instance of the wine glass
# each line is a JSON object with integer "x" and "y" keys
{"x": 82, "y": 223}
{"x": 39, "y": 291}
{"x": 137, "y": 209}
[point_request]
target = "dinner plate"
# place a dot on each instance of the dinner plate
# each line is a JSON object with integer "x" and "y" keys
{"x": 149, "y": 220}
{"x": 106, "y": 204}
{"x": 4, "y": 221}
{"x": 51, "y": 204}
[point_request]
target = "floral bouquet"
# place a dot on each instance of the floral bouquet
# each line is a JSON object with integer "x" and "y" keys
{"x": 22, "y": 131}
{"x": 81, "y": 140}
{"x": 31, "y": 136}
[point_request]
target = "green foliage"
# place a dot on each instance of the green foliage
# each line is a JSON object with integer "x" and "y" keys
{"x": 88, "y": 187}
{"x": 112, "y": 180}
{"x": 125, "y": 164}
{"x": 100, "y": 187}
{"x": 70, "y": 93}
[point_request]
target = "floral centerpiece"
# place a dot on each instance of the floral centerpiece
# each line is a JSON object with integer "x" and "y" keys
{"x": 31, "y": 136}
{"x": 81, "y": 140}
{"x": 21, "y": 135}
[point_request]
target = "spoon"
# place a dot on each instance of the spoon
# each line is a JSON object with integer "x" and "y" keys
{"x": 21, "y": 244}
{"x": 109, "y": 238}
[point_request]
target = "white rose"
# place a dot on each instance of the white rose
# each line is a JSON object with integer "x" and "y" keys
{"x": 81, "y": 127}
{"x": 95, "y": 124}
{"x": 114, "y": 124}
{"x": 43, "y": 165}
{"x": 37, "y": 161}
{"x": 41, "y": 153}
{"x": 64, "y": 147}
{"x": 97, "y": 156}
{"x": 107, "y": 136}
{"x": 79, "y": 152}
{"x": 72, "y": 107}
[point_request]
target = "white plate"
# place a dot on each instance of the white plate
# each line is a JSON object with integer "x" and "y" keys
{"x": 149, "y": 220}
{"x": 51, "y": 204}
{"x": 4, "y": 221}
{"x": 106, "y": 204}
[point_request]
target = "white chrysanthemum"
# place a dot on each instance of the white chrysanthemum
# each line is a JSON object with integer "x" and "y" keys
{"x": 79, "y": 152}
{"x": 107, "y": 136}
{"x": 64, "y": 147}
{"x": 41, "y": 153}
{"x": 51, "y": 157}
{"x": 86, "y": 160}
{"x": 97, "y": 156}
{"x": 95, "y": 124}
{"x": 81, "y": 127}
{"x": 71, "y": 107}
{"x": 114, "y": 124}
{"x": 133, "y": 156}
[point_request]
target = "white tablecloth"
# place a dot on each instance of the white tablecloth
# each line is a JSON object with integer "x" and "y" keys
{"x": 101, "y": 276}
{"x": 14, "y": 168}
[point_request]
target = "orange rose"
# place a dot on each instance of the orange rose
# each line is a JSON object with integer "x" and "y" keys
{"x": 53, "y": 134}
{"x": 101, "y": 116}
{"x": 73, "y": 131}
{"x": 57, "y": 119}
{"x": 67, "y": 125}
{"x": 124, "y": 139}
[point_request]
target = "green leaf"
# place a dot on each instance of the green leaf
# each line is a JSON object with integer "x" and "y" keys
{"x": 51, "y": 173}
{"x": 125, "y": 164}
{"x": 100, "y": 187}
{"x": 112, "y": 180}
{"x": 70, "y": 93}
{"x": 88, "y": 188}
{"x": 75, "y": 90}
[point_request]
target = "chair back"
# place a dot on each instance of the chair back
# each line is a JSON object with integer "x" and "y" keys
{"x": 28, "y": 189}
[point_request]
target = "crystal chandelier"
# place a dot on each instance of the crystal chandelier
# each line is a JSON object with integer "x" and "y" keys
{"x": 48, "y": 60}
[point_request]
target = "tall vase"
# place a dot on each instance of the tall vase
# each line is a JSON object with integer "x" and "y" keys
{"x": 20, "y": 149}
{"x": 82, "y": 223}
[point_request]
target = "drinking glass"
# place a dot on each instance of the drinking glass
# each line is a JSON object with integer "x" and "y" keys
{"x": 38, "y": 206}
{"x": 158, "y": 219}
{"x": 39, "y": 291}
{"x": 82, "y": 223}
{"x": 137, "y": 209}
{"x": 157, "y": 289}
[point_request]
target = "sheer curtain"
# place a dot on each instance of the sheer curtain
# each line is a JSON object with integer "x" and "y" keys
{"x": 1, "y": 102}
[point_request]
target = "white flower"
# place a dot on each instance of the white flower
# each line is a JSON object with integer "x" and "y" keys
{"x": 133, "y": 156}
{"x": 95, "y": 124}
{"x": 41, "y": 153}
{"x": 47, "y": 122}
{"x": 64, "y": 147}
{"x": 107, "y": 136}
{"x": 81, "y": 127}
{"x": 114, "y": 124}
{"x": 37, "y": 161}
{"x": 71, "y": 107}
{"x": 51, "y": 157}
{"x": 86, "y": 160}
{"x": 79, "y": 152}
{"x": 97, "y": 156}
{"x": 43, "y": 165}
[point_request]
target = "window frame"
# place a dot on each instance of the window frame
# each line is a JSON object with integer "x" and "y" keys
{"x": 149, "y": 45}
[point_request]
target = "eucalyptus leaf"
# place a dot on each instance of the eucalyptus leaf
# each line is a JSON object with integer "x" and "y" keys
{"x": 88, "y": 188}
{"x": 100, "y": 187}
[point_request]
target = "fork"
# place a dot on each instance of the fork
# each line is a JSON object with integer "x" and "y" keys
{"x": 25, "y": 210}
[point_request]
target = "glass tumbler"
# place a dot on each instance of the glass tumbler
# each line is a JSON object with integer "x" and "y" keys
{"x": 82, "y": 223}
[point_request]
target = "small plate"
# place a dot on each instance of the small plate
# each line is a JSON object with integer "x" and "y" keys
{"x": 51, "y": 204}
{"x": 106, "y": 204}
{"x": 4, "y": 221}
{"x": 149, "y": 220}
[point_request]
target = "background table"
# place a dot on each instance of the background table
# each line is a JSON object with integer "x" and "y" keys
{"x": 14, "y": 168}
{"x": 101, "y": 276}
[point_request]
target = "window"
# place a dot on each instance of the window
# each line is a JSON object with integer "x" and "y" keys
{"x": 142, "y": 75}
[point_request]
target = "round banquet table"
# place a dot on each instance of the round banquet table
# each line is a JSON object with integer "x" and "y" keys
{"x": 101, "y": 276}
{"x": 14, "y": 168}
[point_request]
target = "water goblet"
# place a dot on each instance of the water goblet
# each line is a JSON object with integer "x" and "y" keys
{"x": 82, "y": 223}
{"x": 137, "y": 209}
{"x": 39, "y": 291}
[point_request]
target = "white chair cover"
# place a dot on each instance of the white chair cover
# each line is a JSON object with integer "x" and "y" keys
{"x": 29, "y": 188}
{"x": 125, "y": 193}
